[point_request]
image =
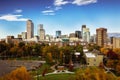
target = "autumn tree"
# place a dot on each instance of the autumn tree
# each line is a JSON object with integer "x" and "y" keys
{"x": 93, "y": 74}
{"x": 18, "y": 74}
{"x": 117, "y": 50}
{"x": 104, "y": 50}
{"x": 112, "y": 55}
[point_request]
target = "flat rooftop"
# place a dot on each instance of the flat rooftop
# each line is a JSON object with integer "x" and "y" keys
{"x": 85, "y": 50}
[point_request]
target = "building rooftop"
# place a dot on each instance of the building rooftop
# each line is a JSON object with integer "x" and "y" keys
{"x": 85, "y": 50}
{"x": 89, "y": 55}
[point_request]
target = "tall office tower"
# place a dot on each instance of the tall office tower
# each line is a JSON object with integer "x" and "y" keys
{"x": 30, "y": 29}
{"x": 41, "y": 32}
{"x": 24, "y": 35}
{"x": 82, "y": 31}
{"x": 86, "y": 35}
{"x": 78, "y": 34}
{"x": 101, "y": 36}
{"x": 58, "y": 34}
{"x": 40, "y": 26}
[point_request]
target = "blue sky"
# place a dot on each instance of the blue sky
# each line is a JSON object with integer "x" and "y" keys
{"x": 64, "y": 15}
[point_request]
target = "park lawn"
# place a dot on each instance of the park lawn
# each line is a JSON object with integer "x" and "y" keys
{"x": 62, "y": 76}
{"x": 40, "y": 70}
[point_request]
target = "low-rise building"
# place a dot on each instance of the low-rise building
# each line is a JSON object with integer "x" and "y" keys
{"x": 116, "y": 42}
{"x": 93, "y": 58}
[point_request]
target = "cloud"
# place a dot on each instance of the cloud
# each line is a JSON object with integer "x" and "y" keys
{"x": 11, "y": 17}
{"x": 58, "y": 8}
{"x": 83, "y": 2}
{"x": 48, "y": 12}
{"x": 51, "y": 14}
{"x": 60, "y": 2}
{"x": 18, "y": 11}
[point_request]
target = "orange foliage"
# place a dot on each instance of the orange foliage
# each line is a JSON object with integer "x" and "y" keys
{"x": 117, "y": 50}
{"x": 104, "y": 50}
{"x": 18, "y": 74}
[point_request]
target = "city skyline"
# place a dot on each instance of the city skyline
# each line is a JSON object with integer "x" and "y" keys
{"x": 65, "y": 15}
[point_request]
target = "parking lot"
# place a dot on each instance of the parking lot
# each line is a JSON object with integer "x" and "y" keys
{"x": 6, "y": 66}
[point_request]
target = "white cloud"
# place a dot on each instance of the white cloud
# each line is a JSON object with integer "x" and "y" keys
{"x": 11, "y": 17}
{"x": 18, "y": 11}
{"x": 48, "y": 11}
{"x": 60, "y": 2}
{"x": 51, "y": 14}
{"x": 83, "y": 2}
{"x": 58, "y": 8}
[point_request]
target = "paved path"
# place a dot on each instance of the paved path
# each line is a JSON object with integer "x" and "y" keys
{"x": 56, "y": 72}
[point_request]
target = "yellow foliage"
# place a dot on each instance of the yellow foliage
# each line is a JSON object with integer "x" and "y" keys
{"x": 49, "y": 55}
{"x": 93, "y": 74}
{"x": 104, "y": 50}
{"x": 18, "y": 74}
{"x": 117, "y": 50}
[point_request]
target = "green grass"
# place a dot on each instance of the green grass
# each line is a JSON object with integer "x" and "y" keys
{"x": 62, "y": 76}
{"x": 40, "y": 70}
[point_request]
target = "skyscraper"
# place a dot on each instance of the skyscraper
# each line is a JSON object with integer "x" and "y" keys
{"x": 24, "y": 35}
{"x": 41, "y": 32}
{"x": 101, "y": 36}
{"x": 58, "y": 34}
{"x": 86, "y": 35}
{"x": 78, "y": 34}
{"x": 83, "y": 27}
{"x": 30, "y": 29}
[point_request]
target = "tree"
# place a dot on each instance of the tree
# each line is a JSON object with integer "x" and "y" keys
{"x": 21, "y": 44}
{"x": 18, "y": 74}
{"x": 112, "y": 55}
{"x": 118, "y": 68}
{"x": 93, "y": 74}
{"x": 49, "y": 58}
{"x": 110, "y": 63}
{"x": 104, "y": 50}
{"x": 117, "y": 50}
{"x": 13, "y": 51}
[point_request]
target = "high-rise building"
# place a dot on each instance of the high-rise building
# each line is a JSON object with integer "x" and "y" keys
{"x": 78, "y": 34}
{"x": 30, "y": 29}
{"x": 101, "y": 36}
{"x": 86, "y": 35}
{"x": 24, "y": 35}
{"x": 41, "y": 32}
{"x": 40, "y": 26}
{"x": 58, "y": 34}
{"x": 82, "y": 31}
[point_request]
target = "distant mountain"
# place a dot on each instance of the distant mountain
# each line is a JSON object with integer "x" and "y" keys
{"x": 113, "y": 34}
